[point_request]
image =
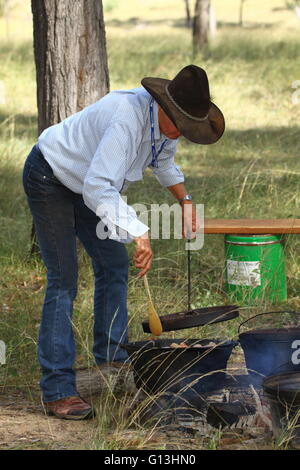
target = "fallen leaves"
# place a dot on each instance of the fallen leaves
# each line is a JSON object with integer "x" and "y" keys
{"x": 34, "y": 283}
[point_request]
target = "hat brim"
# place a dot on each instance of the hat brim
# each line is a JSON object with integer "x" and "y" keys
{"x": 200, "y": 132}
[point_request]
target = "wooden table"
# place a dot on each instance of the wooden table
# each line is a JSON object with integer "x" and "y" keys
{"x": 251, "y": 226}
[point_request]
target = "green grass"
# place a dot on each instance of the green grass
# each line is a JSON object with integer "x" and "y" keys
{"x": 252, "y": 172}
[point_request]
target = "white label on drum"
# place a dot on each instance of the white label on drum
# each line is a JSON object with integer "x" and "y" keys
{"x": 243, "y": 273}
{"x": 2, "y": 353}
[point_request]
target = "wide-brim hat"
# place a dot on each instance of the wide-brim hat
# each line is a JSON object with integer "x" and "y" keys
{"x": 186, "y": 100}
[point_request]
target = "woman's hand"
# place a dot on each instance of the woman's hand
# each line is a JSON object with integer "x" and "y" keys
{"x": 190, "y": 225}
{"x": 189, "y": 220}
{"x": 143, "y": 254}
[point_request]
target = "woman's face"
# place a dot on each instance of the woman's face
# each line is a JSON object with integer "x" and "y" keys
{"x": 166, "y": 125}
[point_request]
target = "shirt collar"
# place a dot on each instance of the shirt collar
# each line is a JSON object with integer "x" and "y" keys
{"x": 157, "y": 134}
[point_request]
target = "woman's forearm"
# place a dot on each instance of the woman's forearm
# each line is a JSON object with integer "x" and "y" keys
{"x": 178, "y": 190}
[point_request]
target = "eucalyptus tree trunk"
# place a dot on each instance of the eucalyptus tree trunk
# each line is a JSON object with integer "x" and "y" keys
{"x": 70, "y": 57}
{"x": 241, "y": 19}
{"x": 201, "y": 25}
{"x": 188, "y": 13}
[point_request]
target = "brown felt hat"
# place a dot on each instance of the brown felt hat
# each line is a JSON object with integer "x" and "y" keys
{"x": 186, "y": 101}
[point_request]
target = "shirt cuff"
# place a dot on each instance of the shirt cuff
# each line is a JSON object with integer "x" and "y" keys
{"x": 136, "y": 229}
{"x": 125, "y": 219}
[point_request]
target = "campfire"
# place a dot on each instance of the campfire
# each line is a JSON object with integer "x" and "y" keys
{"x": 249, "y": 387}
{"x": 188, "y": 382}
{"x": 219, "y": 399}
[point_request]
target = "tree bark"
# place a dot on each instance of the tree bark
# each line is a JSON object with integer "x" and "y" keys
{"x": 70, "y": 57}
{"x": 188, "y": 13}
{"x": 212, "y": 22}
{"x": 201, "y": 25}
{"x": 241, "y": 12}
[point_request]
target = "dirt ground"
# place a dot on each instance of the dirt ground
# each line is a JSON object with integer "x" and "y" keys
{"x": 23, "y": 425}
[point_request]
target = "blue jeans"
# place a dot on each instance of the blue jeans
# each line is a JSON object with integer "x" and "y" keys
{"x": 60, "y": 216}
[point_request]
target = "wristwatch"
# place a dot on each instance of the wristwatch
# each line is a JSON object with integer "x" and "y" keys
{"x": 187, "y": 197}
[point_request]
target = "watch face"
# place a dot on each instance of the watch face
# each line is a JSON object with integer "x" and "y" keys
{"x": 188, "y": 197}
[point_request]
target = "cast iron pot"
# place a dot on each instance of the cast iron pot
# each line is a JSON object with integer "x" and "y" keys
{"x": 269, "y": 351}
{"x": 283, "y": 393}
{"x": 158, "y": 367}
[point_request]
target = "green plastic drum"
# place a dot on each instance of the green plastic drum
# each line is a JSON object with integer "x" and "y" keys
{"x": 255, "y": 268}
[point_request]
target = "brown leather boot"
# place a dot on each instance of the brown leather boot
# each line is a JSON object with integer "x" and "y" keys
{"x": 73, "y": 408}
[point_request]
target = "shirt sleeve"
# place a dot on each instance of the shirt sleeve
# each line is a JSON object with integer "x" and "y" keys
{"x": 168, "y": 173}
{"x": 107, "y": 172}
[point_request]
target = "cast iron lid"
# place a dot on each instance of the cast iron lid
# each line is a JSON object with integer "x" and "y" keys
{"x": 197, "y": 317}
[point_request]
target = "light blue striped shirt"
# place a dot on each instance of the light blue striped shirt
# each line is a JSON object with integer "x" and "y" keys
{"x": 100, "y": 150}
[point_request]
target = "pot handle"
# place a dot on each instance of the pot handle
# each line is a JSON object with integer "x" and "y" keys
{"x": 266, "y": 313}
